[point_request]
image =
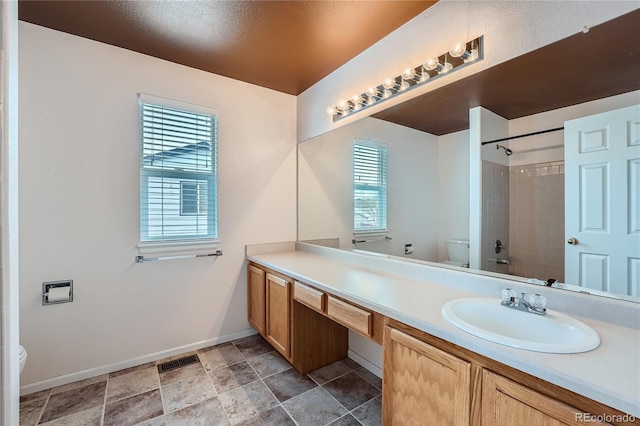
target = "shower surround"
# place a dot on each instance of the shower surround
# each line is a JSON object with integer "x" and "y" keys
{"x": 523, "y": 206}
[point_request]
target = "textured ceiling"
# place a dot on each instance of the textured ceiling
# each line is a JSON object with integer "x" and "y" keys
{"x": 584, "y": 67}
{"x": 283, "y": 45}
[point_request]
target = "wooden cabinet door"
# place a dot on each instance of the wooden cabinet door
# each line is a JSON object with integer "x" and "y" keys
{"x": 278, "y": 314}
{"x": 423, "y": 385}
{"x": 507, "y": 403}
{"x": 257, "y": 299}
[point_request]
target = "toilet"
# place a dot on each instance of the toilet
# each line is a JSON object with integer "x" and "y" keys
{"x": 458, "y": 251}
{"x": 22, "y": 357}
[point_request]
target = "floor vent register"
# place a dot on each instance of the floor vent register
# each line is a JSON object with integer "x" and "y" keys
{"x": 177, "y": 363}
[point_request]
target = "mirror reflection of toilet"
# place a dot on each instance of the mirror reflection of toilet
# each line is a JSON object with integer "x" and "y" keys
{"x": 458, "y": 252}
{"x": 22, "y": 357}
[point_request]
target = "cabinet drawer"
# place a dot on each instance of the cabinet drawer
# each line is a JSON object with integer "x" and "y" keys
{"x": 350, "y": 316}
{"x": 309, "y": 296}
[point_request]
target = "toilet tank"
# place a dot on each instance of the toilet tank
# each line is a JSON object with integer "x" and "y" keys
{"x": 458, "y": 250}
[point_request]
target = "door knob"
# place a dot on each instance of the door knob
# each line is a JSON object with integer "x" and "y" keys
{"x": 573, "y": 241}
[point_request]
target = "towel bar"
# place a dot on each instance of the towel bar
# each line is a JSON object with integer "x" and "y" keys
{"x": 140, "y": 259}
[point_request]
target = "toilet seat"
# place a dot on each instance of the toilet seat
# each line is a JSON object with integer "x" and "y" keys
{"x": 22, "y": 356}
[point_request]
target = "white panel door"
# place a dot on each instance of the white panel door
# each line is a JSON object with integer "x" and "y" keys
{"x": 602, "y": 201}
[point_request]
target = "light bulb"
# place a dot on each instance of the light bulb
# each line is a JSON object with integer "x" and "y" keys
{"x": 371, "y": 100}
{"x": 331, "y": 111}
{"x": 404, "y": 85}
{"x": 445, "y": 68}
{"x": 458, "y": 50}
{"x": 356, "y": 100}
{"x": 386, "y": 93}
{"x": 473, "y": 55}
{"x": 389, "y": 83}
{"x": 371, "y": 92}
{"x": 342, "y": 105}
{"x": 408, "y": 73}
{"x": 431, "y": 64}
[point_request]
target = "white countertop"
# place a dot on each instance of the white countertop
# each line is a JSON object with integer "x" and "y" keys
{"x": 609, "y": 374}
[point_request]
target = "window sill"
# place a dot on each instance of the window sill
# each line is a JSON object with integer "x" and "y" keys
{"x": 178, "y": 247}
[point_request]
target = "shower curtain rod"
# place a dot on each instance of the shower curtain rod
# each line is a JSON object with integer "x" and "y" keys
{"x": 523, "y": 136}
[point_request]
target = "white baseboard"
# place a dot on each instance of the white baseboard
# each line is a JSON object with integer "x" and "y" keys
{"x": 365, "y": 363}
{"x": 121, "y": 365}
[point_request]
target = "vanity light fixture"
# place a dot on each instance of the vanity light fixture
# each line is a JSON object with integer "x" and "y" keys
{"x": 459, "y": 56}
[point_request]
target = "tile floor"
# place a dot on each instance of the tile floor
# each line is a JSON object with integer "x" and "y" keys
{"x": 242, "y": 382}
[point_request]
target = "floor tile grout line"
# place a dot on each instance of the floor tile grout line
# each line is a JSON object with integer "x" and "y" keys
{"x": 272, "y": 374}
{"x": 262, "y": 380}
{"x": 348, "y": 414}
{"x": 217, "y": 394}
{"x": 355, "y": 408}
{"x": 289, "y": 414}
{"x": 279, "y": 402}
{"x": 365, "y": 379}
{"x": 364, "y": 403}
{"x": 322, "y": 387}
{"x": 339, "y": 403}
{"x": 195, "y": 403}
{"x": 104, "y": 402}
{"x": 69, "y": 414}
{"x": 134, "y": 394}
{"x": 335, "y": 378}
{"x": 297, "y": 396}
{"x": 164, "y": 411}
{"x": 211, "y": 382}
{"x": 166, "y": 414}
{"x": 239, "y": 386}
{"x": 259, "y": 379}
{"x": 42, "y": 409}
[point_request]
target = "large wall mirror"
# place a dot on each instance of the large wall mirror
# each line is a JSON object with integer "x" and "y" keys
{"x": 507, "y": 206}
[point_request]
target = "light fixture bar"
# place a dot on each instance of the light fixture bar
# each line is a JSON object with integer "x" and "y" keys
{"x": 459, "y": 56}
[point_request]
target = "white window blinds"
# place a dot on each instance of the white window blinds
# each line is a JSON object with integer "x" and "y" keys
{"x": 369, "y": 188}
{"x": 178, "y": 179}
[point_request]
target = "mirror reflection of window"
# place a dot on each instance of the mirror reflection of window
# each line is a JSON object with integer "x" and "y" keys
{"x": 369, "y": 187}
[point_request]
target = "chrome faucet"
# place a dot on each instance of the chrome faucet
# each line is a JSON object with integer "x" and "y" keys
{"x": 533, "y": 303}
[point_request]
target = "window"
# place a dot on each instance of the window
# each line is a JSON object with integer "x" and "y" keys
{"x": 369, "y": 188}
{"x": 193, "y": 198}
{"x": 178, "y": 182}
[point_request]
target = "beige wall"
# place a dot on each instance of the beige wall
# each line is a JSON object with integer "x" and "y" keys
{"x": 79, "y": 207}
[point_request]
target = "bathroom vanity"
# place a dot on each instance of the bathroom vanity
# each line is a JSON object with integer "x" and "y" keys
{"x": 304, "y": 298}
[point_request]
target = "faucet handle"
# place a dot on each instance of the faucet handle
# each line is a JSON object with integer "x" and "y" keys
{"x": 508, "y": 294}
{"x": 537, "y": 301}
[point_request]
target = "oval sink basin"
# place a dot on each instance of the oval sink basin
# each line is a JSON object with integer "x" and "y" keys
{"x": 552, "y": 333}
